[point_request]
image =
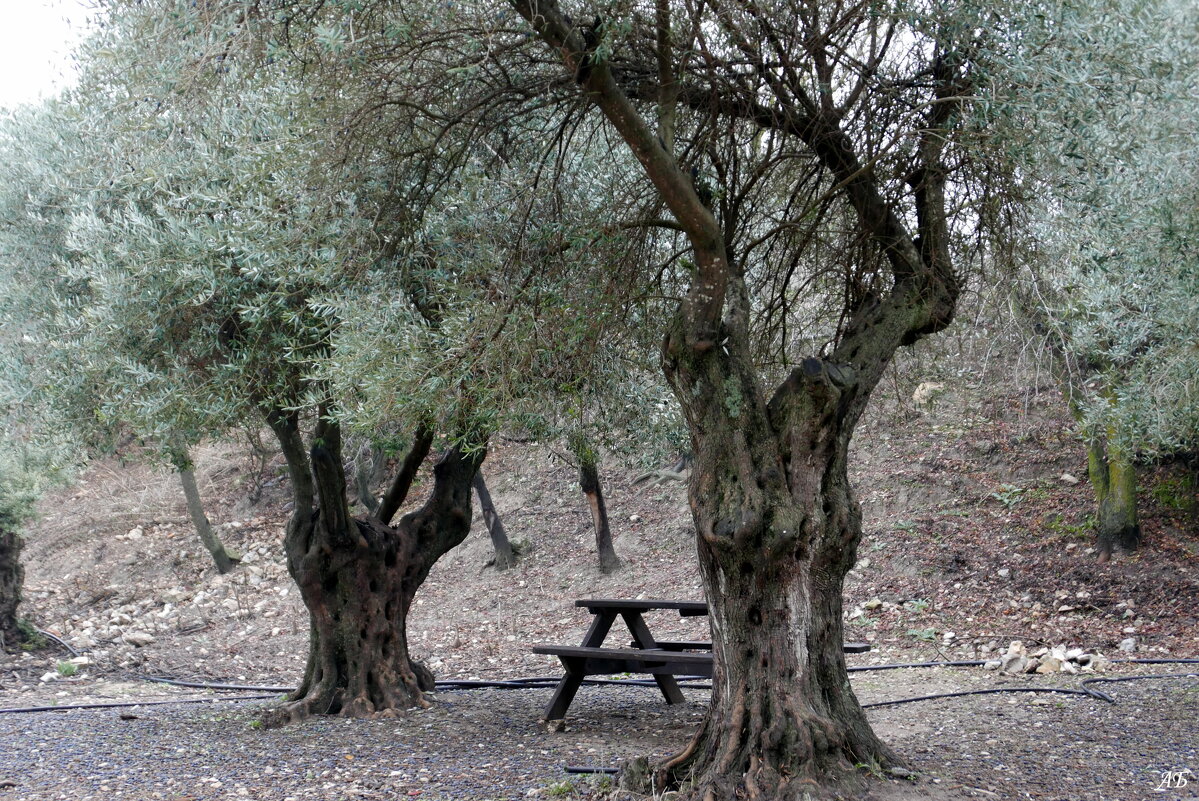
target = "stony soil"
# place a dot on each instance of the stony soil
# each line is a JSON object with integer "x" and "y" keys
{"x": 976, "y": 535}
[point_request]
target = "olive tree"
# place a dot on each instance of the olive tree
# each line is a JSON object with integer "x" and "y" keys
{"x": 1114, "y": 233}
{"x": 214, "y": 234}
{"x": 809, "y": 158}
{"x": 35, "y": 445}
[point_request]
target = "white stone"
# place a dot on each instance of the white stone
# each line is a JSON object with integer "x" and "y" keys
{"x": 1013, "y": 663}
{"x": 1128, "y": 645}
{"x": 1004, "y": 572}
{"x": 927, "y": 392}
{"x": 1050, "y": 664}
{"x": 1069, "y": 479}
{"x": 138, "y": 638}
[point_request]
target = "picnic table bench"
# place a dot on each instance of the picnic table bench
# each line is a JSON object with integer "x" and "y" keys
{"x": 663, "y": 660}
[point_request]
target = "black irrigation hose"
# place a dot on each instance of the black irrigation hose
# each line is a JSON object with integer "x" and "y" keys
{"x": 1086, "y": 682}
{"x": 540, "y": 682}
{"x": 203, "y": 685}
{"x": 1062, "y": 690}
{"x": 968, "y": 663}
{"x": 65, "y": 707}
{"x": 58, "y": 640}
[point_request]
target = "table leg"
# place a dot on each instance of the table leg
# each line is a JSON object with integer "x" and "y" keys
{"x": 565, "y": 693}
{"x": 641, "y": 635}
{"x": 601, "y": 624}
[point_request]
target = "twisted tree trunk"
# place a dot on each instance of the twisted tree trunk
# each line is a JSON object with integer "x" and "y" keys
{"x": 11, "y": 577}
{"x": 358, "y": 577}
{"x": 778, "y": 529}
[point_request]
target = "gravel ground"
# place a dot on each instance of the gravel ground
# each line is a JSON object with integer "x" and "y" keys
{"x": 487, "y": 744}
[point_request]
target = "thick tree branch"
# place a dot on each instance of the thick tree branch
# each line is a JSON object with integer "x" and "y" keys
{"x": 422, "y": 441}
{"x": 705, "y": 300}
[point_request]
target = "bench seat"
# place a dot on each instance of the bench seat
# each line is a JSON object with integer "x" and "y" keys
{"x": 584, "y": 661}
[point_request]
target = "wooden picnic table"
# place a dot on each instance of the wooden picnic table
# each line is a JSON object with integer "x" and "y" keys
{"x": 661, "y": 659}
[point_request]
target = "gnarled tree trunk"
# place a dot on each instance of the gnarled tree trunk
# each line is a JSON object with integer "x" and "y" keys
{"x": 358, "y": 577}
{"x": 1114, "y": 478}
{"x": 778, "y": 529}
{"x": 11, "y": 577}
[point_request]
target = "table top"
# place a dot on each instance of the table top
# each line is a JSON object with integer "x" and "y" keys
{"x": 624, "y": 604}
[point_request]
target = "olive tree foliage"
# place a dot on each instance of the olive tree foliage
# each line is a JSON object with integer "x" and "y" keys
{"x": 36, "y": 448}
{"x": 1113, "y": 178}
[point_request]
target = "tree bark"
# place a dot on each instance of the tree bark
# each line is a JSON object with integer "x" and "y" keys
{"x": 589, "y": 481}
{"x": 368, "y": 471}
{"x": 504, "y": 557}
{"x": 358, "y": 577}
{"x": 196, "y": 510}
{"x": 12, "y": 574}
{"x": 1114, "y": 479}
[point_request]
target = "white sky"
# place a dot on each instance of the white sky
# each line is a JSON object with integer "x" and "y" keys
{"x": 35, "y": 40}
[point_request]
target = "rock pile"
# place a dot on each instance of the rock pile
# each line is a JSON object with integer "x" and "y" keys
{"x": 1058, "y": 659}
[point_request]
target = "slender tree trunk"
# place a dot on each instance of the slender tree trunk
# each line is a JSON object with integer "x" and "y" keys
{"x": 589, "y": 482}
{"x": 196, "y": 509}
{"x": 1114, "y": 478}
{"x": 11, "y": 577}
{"x": 504, "y": 558}
{"x": 358, "y": 577}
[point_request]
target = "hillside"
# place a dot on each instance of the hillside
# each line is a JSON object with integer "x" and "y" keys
{"x": 976, "y": 535}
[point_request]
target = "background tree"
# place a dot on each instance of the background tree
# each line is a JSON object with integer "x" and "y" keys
{"x": 35, "y": 451}
{"x": 213, "y": 232}
{"x": 1113, "y": 142}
